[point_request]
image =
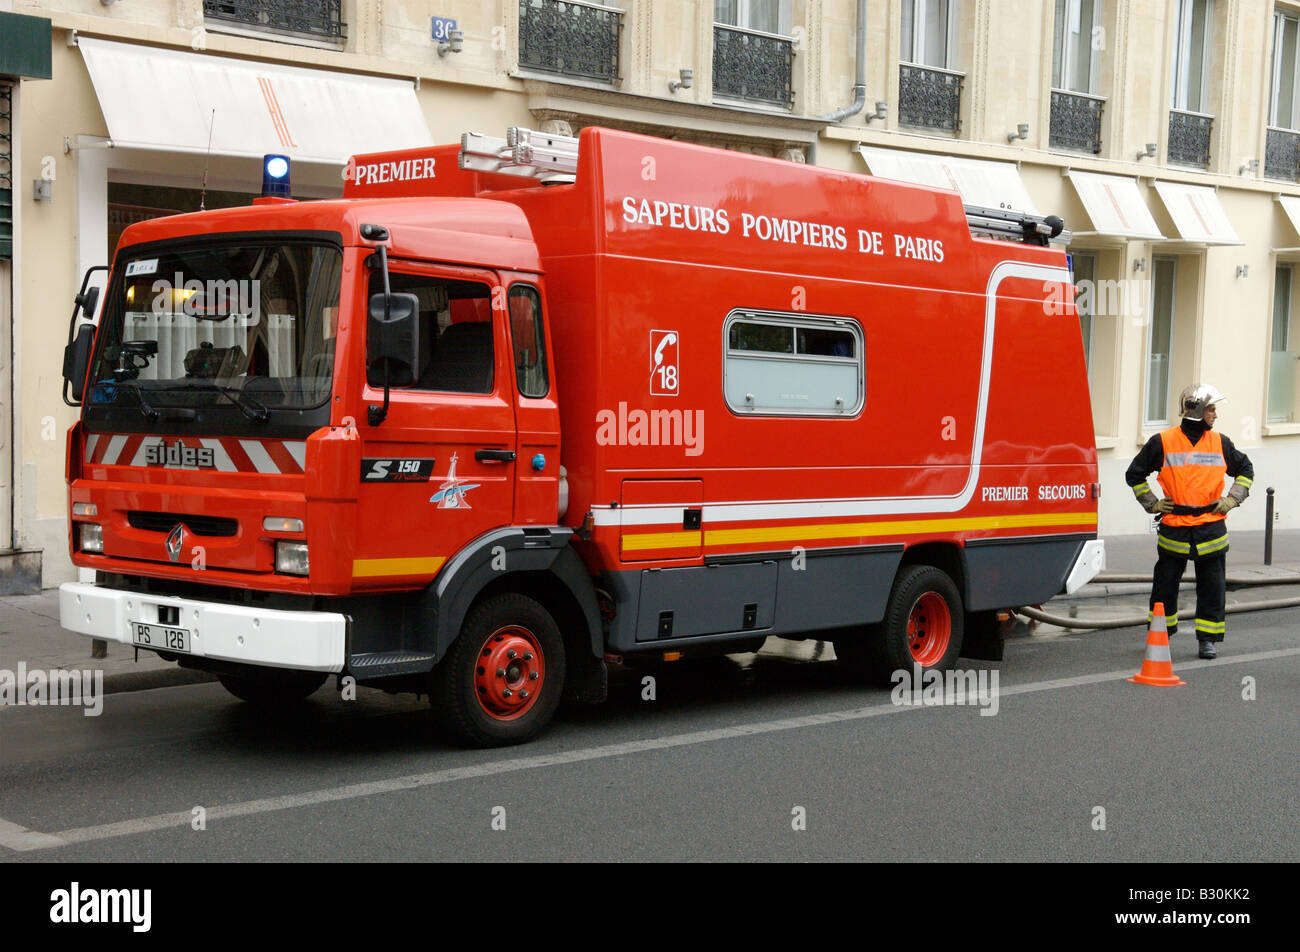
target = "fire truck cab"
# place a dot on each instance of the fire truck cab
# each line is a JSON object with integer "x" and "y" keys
{"x": 513, "y": 408}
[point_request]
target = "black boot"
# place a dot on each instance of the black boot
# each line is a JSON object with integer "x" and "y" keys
{"x": 1207, "y": 650}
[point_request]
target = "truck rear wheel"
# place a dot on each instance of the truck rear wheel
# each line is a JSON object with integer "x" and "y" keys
{"x": 922, "y": 626}
{"x": 272, "y": 686}
{"x": 502, "y": 679}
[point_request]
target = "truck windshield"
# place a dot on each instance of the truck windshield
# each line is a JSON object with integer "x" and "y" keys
{"x": 249, "y": 325}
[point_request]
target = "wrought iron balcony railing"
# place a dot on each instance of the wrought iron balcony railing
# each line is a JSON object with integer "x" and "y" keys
{"x": 1282, "y": 154}
{"x": 754, "y": 66}
{"x": 6, "y": 172}
{"x": 929, "y": 98}
{"x": 1189, "y": 138}
{"x": 1075, "y": 122}
{"x": 571, "y": 38}
{"x": 316, "y": 19}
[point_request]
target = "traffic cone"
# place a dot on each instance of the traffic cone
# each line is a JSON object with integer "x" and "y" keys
{"x": 1157, "y": 668}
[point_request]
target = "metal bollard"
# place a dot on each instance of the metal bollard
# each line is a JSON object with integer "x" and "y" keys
{"x": 1268, "y": 526}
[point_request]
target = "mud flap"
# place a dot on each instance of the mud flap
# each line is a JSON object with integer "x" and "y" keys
{"x": 983, "y": 640}
{"x": 588, "y": 681}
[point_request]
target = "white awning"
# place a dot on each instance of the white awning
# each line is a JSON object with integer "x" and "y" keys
{"x": 1197, "y": 213}
{"x": 164, "y": 100}
{"x": 979, "y": 181}
{"x": 1291, "y": 206}
{"x": 1115, "y": 206}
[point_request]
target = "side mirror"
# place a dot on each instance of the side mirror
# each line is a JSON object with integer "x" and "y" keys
{"x": 393, "y": 340}
{"x": 87, "y": 301}
{"x": 76, "y": 360}
{"x": 76, "y": 356}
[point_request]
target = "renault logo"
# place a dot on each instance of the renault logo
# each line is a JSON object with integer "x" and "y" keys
{"x": 175, "y": 539}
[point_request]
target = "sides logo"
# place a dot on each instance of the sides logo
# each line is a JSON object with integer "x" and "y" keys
{"x": 451, "y": 494}
{"x": 175, "y": 541}
{"x": 163, "y": 453}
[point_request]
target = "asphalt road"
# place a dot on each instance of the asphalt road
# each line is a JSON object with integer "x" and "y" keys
{"x": 717, "y": 767}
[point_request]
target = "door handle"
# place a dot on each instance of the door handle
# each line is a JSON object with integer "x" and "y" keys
{"x": 495, "y": 456}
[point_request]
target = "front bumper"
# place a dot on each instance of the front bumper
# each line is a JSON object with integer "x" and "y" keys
{"x": 308, "y": 641}
{"x": 1091, "y": 560}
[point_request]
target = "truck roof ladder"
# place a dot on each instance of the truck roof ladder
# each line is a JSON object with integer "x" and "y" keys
{"x": 1016, "y": 226}
{"x": 523, "y": 152}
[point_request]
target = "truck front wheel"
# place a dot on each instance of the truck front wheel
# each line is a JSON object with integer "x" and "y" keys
{"x": 922, "y": 626}
{"x": 502, "y": 679}
{"x": 272, "y": 686}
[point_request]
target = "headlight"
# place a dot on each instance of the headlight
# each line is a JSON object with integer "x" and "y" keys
{"x": 92, "y": 537}
{"x": 291, "y": 558}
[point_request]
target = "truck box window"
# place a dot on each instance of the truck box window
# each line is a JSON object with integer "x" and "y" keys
{"x": 456, "y": 354}
{"x": 777, "y": 364}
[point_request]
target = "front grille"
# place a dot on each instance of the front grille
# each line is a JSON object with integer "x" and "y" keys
{"x": 167, "y": 521}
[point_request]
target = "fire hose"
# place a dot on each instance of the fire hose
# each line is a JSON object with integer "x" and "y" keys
{"x": 1081, "y": 623}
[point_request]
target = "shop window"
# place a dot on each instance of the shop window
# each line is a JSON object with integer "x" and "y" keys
{"x": 1282, "y": 364}
{"x": 1160, "y": 341}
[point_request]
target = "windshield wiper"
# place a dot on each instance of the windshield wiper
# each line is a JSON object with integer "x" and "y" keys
{"x": 249, "y": 407}
{"x": 149, "y": 411}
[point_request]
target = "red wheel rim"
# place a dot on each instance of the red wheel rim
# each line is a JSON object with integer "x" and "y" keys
{"x": 929, "y": 629}
{"x": 509, "y": 673}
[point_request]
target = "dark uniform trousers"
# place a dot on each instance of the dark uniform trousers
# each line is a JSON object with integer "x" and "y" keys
{"x": 1206, "y": 545}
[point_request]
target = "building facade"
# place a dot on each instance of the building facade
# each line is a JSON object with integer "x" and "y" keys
{"x": 1165, "y": 132}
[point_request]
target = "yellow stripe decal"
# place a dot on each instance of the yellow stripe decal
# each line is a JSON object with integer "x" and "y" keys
{"x": 375, "y": 568}
{"x": 660, "y": 540}
{"x": 844, "y": 530}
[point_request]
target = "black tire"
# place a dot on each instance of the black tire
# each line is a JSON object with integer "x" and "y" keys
{"x": 273, "y": 687}
{"x": 484, "y": 705}
{"x": 875, "y": 652}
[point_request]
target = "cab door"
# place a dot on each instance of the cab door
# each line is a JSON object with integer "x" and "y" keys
{"x": 537, "y": 410}
{"x": 441, "y": 469}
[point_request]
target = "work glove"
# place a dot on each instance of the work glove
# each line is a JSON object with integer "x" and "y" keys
{"x": 1224, "y": 504}
{"x": 1164, "y": 506}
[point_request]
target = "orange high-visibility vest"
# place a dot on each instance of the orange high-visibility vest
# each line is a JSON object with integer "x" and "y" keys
{"x": 1192, "y": 475}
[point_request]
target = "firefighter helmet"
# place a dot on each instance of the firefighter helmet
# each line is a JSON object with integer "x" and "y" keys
{"x": 1194, "y": 400}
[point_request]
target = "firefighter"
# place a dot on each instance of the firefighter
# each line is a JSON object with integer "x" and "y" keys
{"x": 1192, "y": 461}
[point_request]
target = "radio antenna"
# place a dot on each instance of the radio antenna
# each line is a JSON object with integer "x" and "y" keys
{"x": 203, "y": 195}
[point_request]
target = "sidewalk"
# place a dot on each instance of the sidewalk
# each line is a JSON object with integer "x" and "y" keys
{"x": 30, "y": 631}
{"x": 30, "y": 634}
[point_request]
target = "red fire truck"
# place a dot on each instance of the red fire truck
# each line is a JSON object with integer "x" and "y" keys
{"x": 513, "y": 409}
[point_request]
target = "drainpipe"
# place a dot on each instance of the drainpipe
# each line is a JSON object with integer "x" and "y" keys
{"x": 860, "y": 81}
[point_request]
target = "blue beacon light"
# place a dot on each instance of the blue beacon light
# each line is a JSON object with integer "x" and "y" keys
{"x": 275, "y": 176}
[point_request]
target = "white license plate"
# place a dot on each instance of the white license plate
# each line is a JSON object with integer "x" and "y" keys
{"x": 160, "y": 637}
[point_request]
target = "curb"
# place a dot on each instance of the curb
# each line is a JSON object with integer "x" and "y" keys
{"x": 156, "y": 678}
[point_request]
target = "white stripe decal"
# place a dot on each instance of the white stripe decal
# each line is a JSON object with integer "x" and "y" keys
{"x": 298, "y": 450}
{"x": 115, "y": 445}
{"x": 877, "y": 506}
{"x": 220, "y": 457}
{"x": 258, "y": 454}
{"x": 91, "y": 442}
